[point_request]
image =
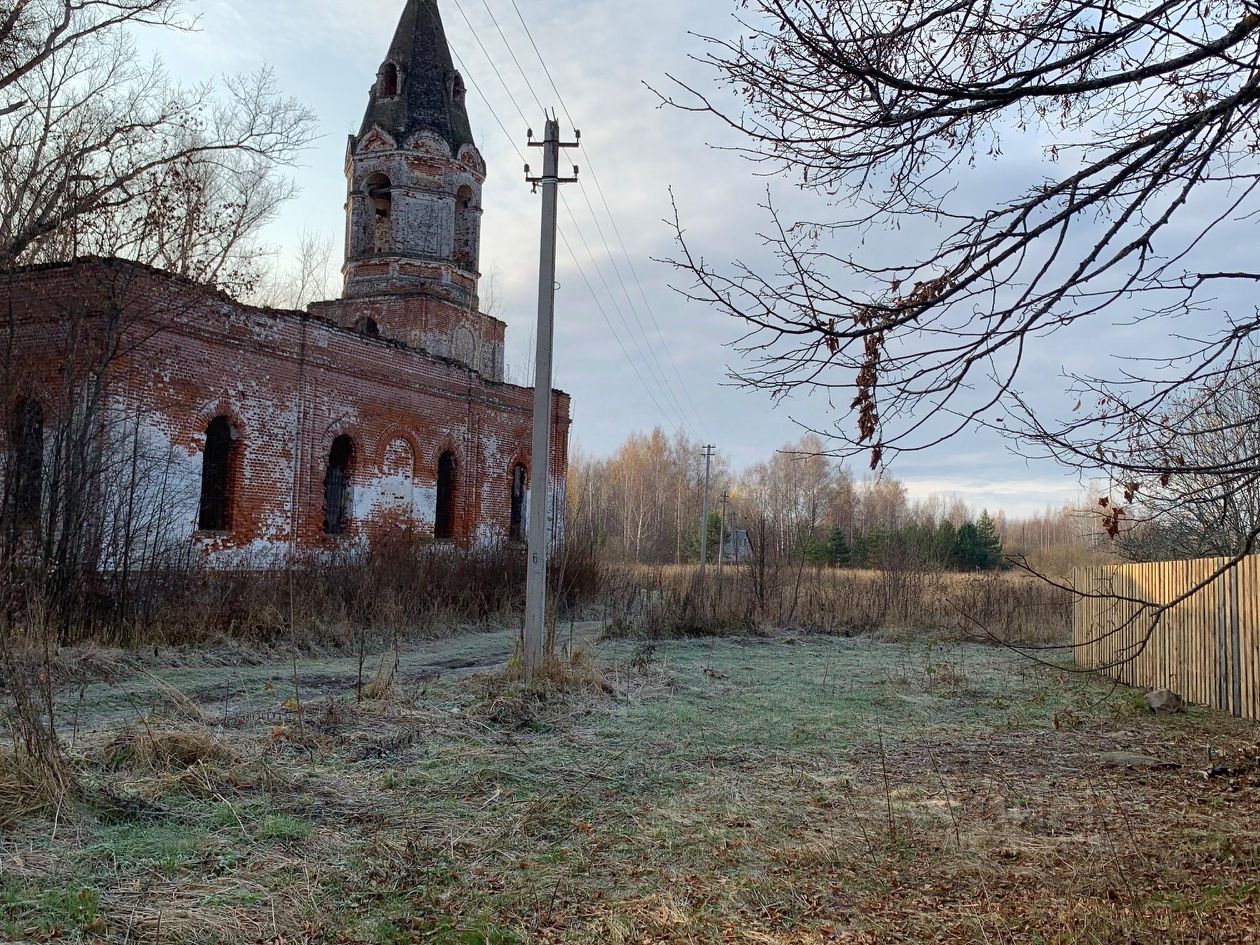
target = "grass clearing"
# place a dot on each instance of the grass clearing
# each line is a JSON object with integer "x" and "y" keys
{"x": 797, "y": 789}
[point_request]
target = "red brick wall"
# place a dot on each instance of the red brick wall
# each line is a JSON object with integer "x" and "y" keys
{"x": 290, "y": 383}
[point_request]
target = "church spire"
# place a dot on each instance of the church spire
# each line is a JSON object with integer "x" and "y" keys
{"x": 418, "y": 87}
{"x": 414, "y": 175}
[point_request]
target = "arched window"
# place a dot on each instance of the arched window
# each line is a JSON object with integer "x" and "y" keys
{"x": 458, "y": 90}
{"x": 26, "y": 484}
{"x": 380, "y": 193}
{"x": 520, "y": 485}
{"x": 368, "y": 326}
{"x": 466, "y": 226}
{"x": 387, "y": 84}
{"x": 337, "y": 486}
{"x": 215, "y": 514}
{"x": 444, "y": 518}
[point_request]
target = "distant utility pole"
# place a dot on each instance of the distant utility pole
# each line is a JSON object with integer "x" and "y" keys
{"x": 726, "y": 498}
{"x": 704, "y": 515}
{"x": 540, "y": 465}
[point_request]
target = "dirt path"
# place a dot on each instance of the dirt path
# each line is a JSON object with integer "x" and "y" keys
{"x": 236, "y": 693}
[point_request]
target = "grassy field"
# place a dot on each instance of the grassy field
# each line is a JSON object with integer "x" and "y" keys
{"x": 1008, "y": 606}
{"x": 782, "y": 790}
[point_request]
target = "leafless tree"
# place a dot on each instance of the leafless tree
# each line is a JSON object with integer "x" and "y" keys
{"x": 1146, "y": 119}
{"x": 1211, "y": 508}
{"x": 103, "y": 153}
{"x": 307, "y": 277}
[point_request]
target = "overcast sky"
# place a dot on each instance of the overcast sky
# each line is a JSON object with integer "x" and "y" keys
{"x": 601, "y": 54}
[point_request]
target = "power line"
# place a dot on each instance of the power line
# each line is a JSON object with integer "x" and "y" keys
{"x": 677, "y": 401}
{"x": 577, "y": 263}
{"x": 634, "y": 309}
{"x": 639, "y": 284}
{"x": 678, "y": 396}
{"x": 543, "y": 62}
{"x": 512, "y": 53}
{"x": 599, "y": 305}
{"x": 472, "y": 29}
{"x": 603, "y": 196}
{"x": 660, "y": 378}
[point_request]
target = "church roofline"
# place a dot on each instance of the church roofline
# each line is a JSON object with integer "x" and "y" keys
{"x": 218, "y": 294}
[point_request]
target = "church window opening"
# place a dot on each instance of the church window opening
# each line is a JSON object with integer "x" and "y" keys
{"x": 520, "y": 483}
{"x": 26, "y": 486}
{"x": 380, "y": 193}
{"x": 458, "y": 90}
{"x": 465, "y": 225}
{"x": 216, "y": 473}
{"x": 337, "y": 486}
{"x": 444, "y": 520}
{"x": 369, "y": 327}
{"x": 388, "y": 86}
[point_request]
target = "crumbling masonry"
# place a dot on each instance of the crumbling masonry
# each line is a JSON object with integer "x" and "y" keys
{"x": 263, "y": 431}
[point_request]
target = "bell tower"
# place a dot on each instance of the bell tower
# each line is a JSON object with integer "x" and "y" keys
{"x": 413, "y": 216}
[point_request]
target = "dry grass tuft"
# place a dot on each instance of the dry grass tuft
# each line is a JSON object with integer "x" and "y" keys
{"x": 579, "y": 672}
{"x": 564, "y": 688}
{"x": 381, "y": 688}
{"x": 174, "y": 703}
{"x": 167, "y": 750}
{"x": 28, "y": 788}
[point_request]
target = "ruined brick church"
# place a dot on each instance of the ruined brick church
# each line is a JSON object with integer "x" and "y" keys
{"x": 263, "y": 431}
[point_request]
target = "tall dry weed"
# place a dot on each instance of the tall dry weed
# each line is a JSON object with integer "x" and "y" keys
{"x": 672, "y": 601}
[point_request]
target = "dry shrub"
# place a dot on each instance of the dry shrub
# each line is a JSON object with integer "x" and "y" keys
{"x": 35, "y": 774}
{"x": 167, "y": 750}
{"x": 394, "y": 582}
{"x": 671, "y": 601}
{"x": 1013, "y": 608}
{"x": 1058, "y": 561}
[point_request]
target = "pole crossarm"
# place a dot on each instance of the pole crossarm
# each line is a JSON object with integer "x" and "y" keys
{"x": 551, "y": 176}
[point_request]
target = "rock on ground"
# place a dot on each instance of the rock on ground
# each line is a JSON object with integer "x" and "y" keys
{"x": 1164, "y": 701}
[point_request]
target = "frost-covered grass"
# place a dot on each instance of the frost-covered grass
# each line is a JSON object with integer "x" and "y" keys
{"x": 786, "y": 790}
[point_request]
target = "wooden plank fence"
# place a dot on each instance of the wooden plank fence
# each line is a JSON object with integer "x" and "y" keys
{"x": 1206, "y": 648}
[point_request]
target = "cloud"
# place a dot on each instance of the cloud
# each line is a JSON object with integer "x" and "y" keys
{"x": 620, "y": 327}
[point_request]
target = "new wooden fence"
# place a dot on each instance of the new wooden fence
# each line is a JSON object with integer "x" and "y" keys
{"x": 1206, "y": 647}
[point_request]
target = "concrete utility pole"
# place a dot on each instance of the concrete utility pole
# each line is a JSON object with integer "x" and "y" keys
{"x": 540, "y": 465}
{"x": 726, "y": 498}
{"x": 704, "y": 515}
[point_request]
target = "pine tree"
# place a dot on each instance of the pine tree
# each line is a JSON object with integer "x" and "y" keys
{"x": 838, "y": 549}
{"x": 816, "y": 552}
{"x": 989, "y": 545}
{"x": 967, "y": 547}
{"x": 877, "y": 540}
{"x": 714, "y": 537}
{"x": 860, "y": 555}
